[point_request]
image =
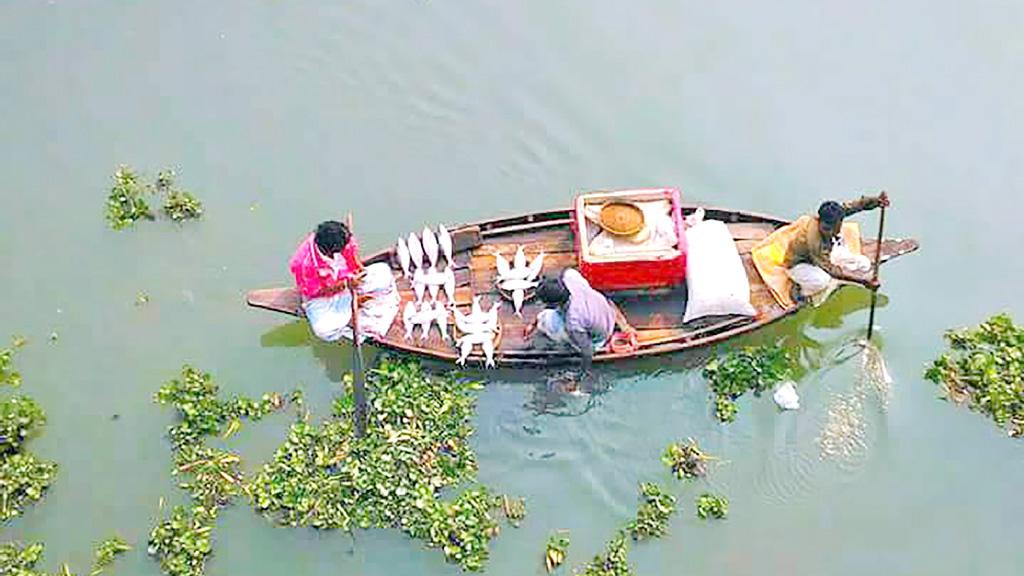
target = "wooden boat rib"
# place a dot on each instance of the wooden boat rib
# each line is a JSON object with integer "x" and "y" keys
{"x": 657, "y": 315}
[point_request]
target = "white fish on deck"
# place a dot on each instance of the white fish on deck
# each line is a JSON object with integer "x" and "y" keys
{"x": 404, "y": 259}
{"x": 441, "y": 316}
{"x": 449, "y": 284}
{"x": 415, "y": 250}
{"x": 408, "y": 319}
{"x": 536, "y": 266}
{"x": 444, "y": 239}
{"x": 519, "y": 260}
{"x": 418, "y": 284}
{"x": 430, "y": 246}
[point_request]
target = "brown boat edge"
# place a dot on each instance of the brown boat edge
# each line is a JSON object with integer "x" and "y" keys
{"x": 656, "y": 314}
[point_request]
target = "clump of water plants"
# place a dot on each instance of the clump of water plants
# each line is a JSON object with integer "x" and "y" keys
{"x": 23, "y": 477}
{"x": 513, "y": 508}
{"x": 416, "y": 444}
{"x": 182, "y": 542}
{"x": 614, "y": 561}
{"x": 211, "y": 476}
{"x": 8, "y": 375}
{"x": 107, "y": 552}
{"x": 556, "y": 549}
{"x": 712, "y": 506}
{"x": 126, "y": 203}
{"x": 652, "y": 517}
{"x": 686, "y": 460}
{"x": 753, "y": 369}
{"x": 984, "y": 369}
{"x": 179, "y": 205}
{"x": 18, "y": 560}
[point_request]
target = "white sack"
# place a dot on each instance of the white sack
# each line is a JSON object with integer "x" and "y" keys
{"x": 716, "y": 280}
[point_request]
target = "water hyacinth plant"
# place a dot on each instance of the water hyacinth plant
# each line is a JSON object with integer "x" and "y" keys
{"x": 107, "y": 552}
{"x": 126, "y": 203}
{"x": 179, "y": 205}
{"x": 712, "y": 506}
{"x": 23, "y": 479}
{"x": 556, "y": 549}
{"x": 416, "y": 444}
{"x": 20, "y": 418}
{"x": 614, "y": 561}
{"x": 652, "y": 517}
{"x": 18, "y": 560}
{"x": 8, "y": 375}
{"x": 686, "y": 460}
{"x": 212, "y": 477}
{"x": 753, "y": 369}
{"x": 984, "y": 369}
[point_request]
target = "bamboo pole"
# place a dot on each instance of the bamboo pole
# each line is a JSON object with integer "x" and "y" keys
{"x": 874, "y": 287}
{"x": 358, "y": 376}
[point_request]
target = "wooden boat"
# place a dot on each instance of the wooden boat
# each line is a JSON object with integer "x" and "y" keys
{"x": 657, "y": 315}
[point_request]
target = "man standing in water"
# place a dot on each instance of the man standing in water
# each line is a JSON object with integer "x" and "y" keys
{"x": 323, "y": 265}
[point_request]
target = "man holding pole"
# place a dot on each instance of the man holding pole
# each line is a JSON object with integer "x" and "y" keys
{"x": 802, "y": 252}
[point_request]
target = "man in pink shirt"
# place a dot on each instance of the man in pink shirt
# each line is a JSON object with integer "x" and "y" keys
{"x": 322, "y": 265}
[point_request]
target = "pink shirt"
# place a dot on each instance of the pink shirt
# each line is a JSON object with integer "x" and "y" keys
{"x": 317, "y": 275}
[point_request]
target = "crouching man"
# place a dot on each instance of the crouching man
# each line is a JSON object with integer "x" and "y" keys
{"x": 576, "y": 315}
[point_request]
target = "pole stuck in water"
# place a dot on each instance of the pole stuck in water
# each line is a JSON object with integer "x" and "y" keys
{"x": 358, "y": 378}
{"x": 878, "y": 259}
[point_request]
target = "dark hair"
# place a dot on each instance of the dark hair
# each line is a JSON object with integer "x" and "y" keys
{"x": 831, "y": 213}
{"x": 553, "y": 291}
{"x": 331, "y": 237}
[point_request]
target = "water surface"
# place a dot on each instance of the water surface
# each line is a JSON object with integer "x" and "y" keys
{"x": 280, "y": 114}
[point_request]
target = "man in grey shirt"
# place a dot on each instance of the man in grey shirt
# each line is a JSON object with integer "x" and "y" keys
{"x": 576, "y": 315}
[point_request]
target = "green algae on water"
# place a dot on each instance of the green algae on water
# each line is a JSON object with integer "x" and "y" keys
{"x": 753, "y": 369}
{"x": 179, "y": 205}
{"x": 614, "y": 561}
{"x": 984, "y": 369}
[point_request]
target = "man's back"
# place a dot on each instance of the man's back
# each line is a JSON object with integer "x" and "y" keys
{"x": 588, "y": 311}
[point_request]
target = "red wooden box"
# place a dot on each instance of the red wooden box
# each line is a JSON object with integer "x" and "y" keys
{"x": 636, "y": 269}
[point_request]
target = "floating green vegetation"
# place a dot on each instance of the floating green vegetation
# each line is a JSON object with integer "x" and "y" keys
{"x": 556, "y": 549}
{"x": 652, "y": 517}
{"x": 18, "y": 560}
{"x": 8, "y": 375}
{"x": 107, "y": 552}
{"x": 755, "y": 369}
{"x": 126, "y": 203}
{"x": 686, "y": 460}
{"x": 182, "y": 542}
{"x": 23, "y": 477}
{"x": 417, "y": 443}
{"x": 984, "y": 369}
{"x": 179, "y": 205}
{"x": 211, "y": 476}
{"x": 712, "y": 506}
{"x": 614, "y": 561}
{"x": 513, "y": 508}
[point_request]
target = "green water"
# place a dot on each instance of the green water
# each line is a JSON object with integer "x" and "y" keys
{"x": 279, "y": 114}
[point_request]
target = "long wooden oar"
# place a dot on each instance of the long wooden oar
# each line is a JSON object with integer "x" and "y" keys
{"x": 358, "y": 377}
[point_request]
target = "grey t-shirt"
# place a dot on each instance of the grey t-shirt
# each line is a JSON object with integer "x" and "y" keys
{"x": 588, "y": 311}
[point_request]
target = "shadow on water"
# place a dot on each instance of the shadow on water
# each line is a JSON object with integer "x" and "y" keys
{"x": 816, "y": 337}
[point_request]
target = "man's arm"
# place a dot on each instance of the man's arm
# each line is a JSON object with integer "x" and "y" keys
{"x": 865, "y": 203}
{"x": 582, "y": 342}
